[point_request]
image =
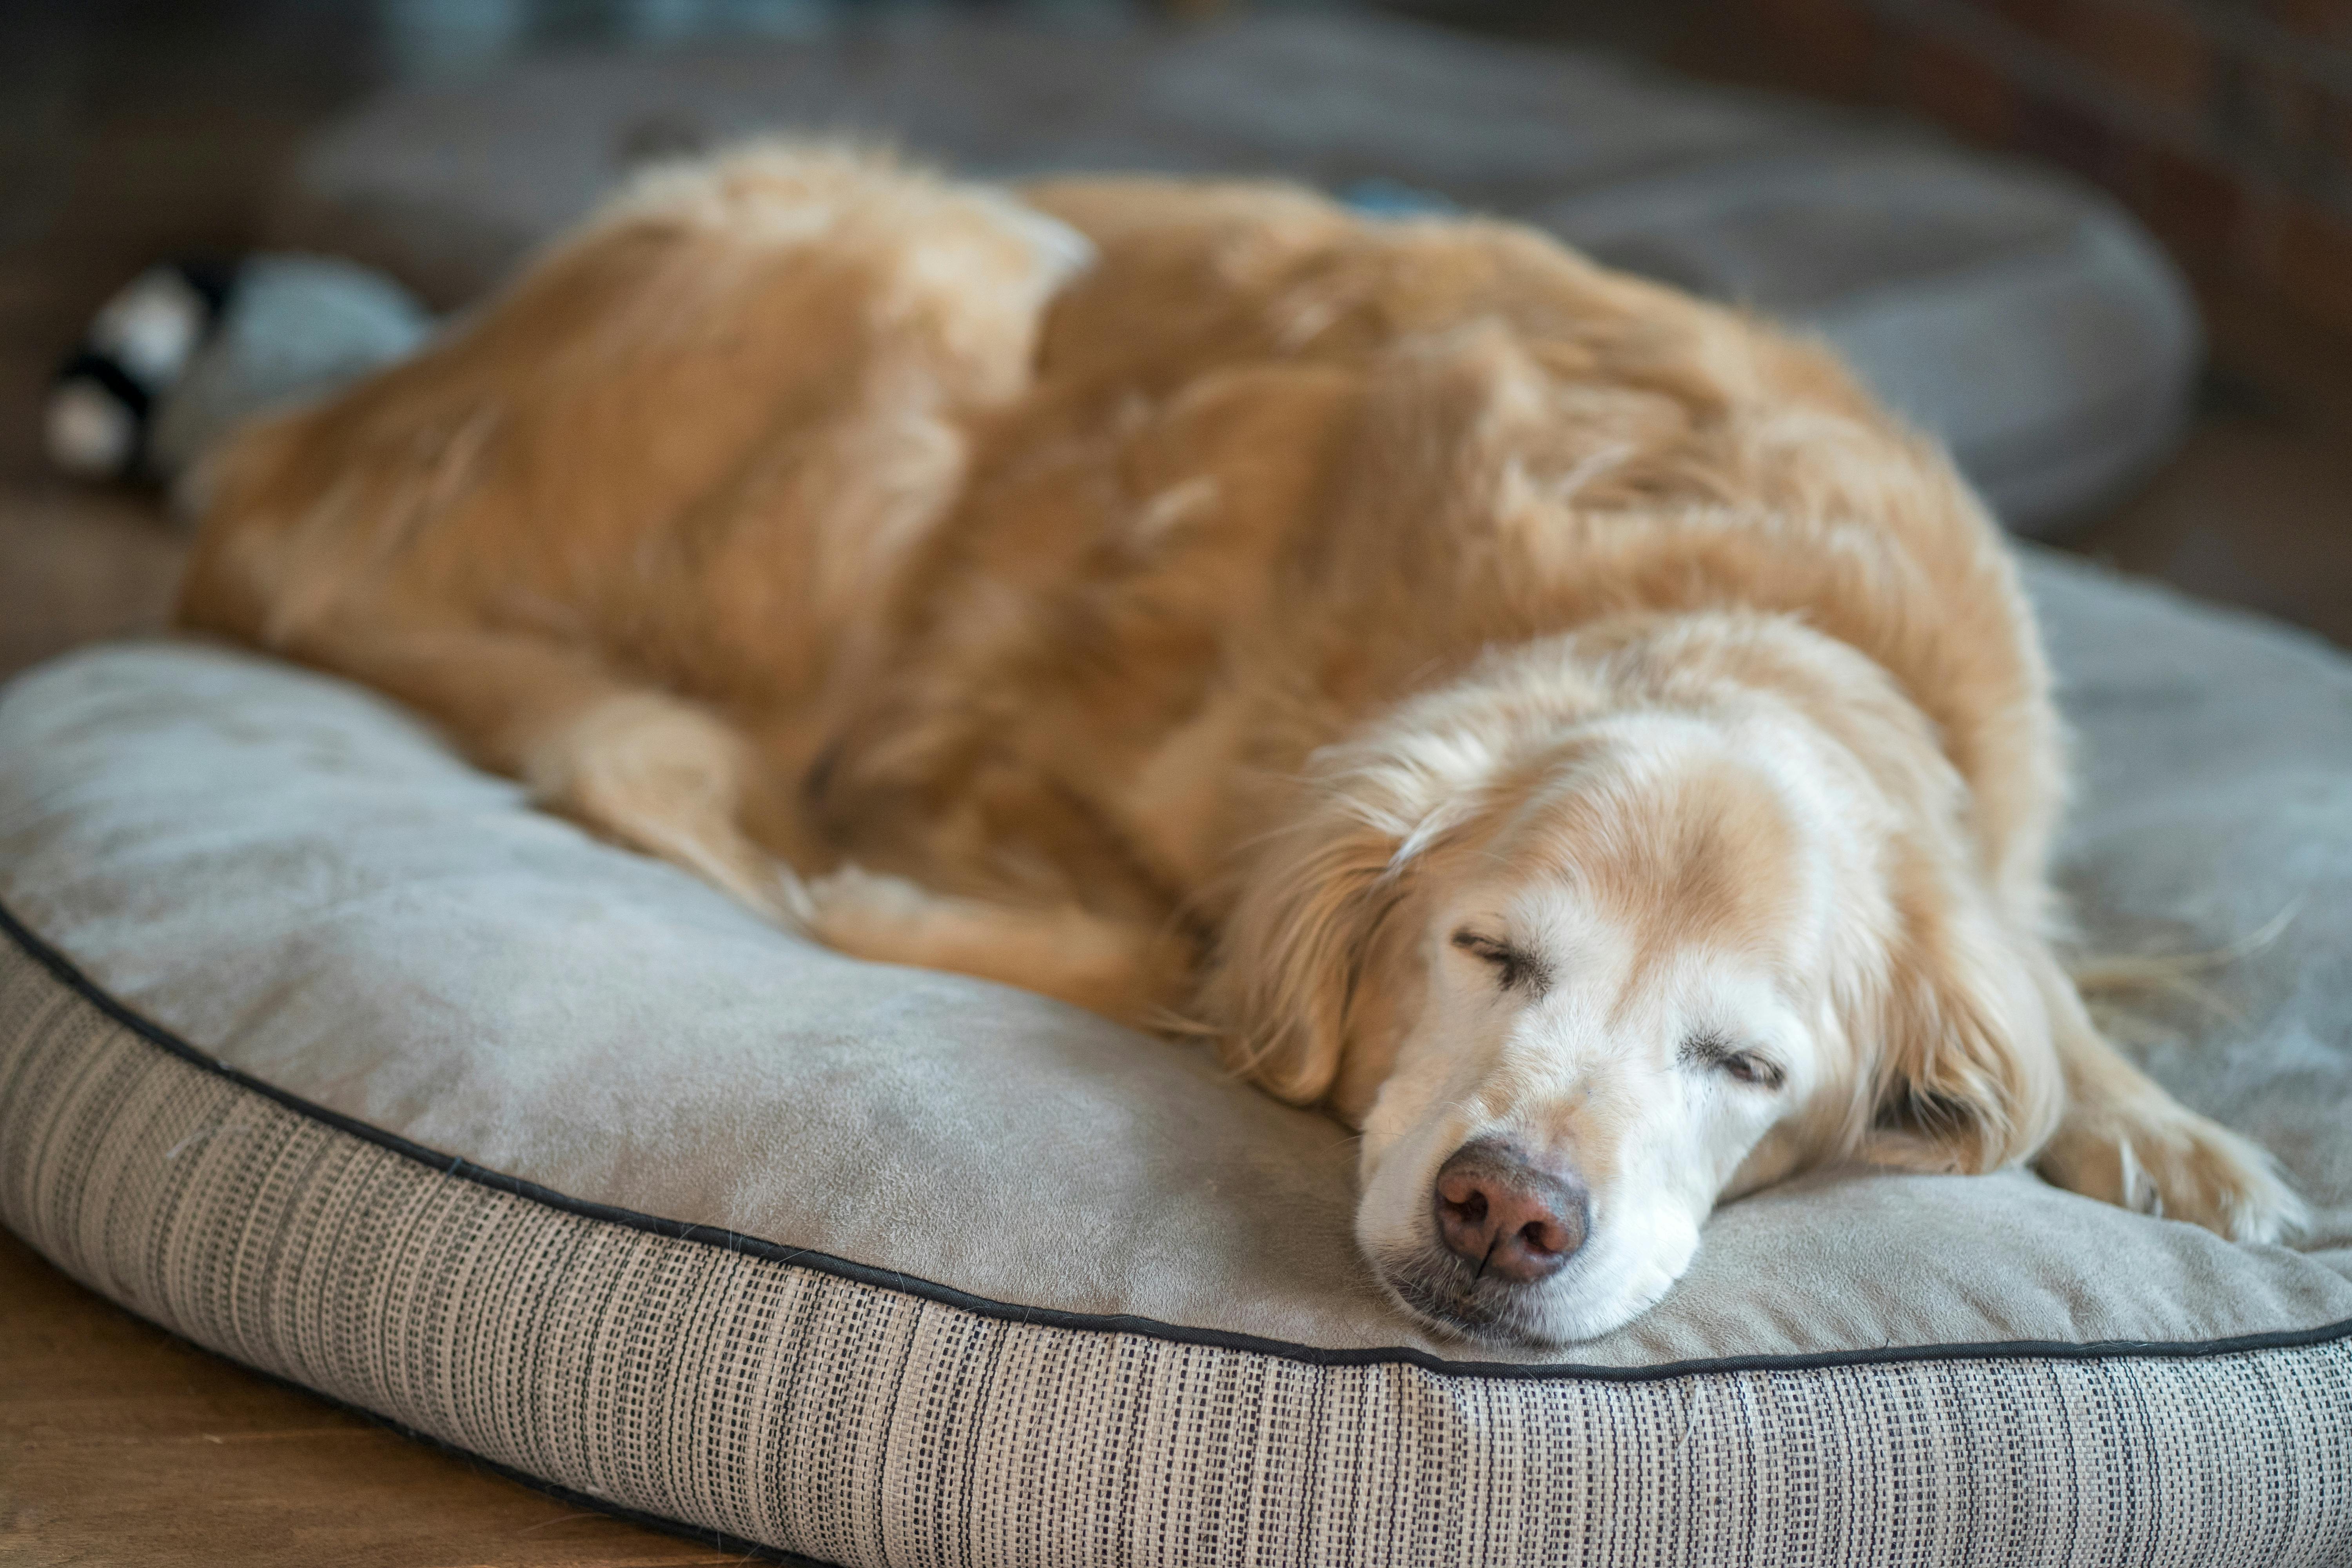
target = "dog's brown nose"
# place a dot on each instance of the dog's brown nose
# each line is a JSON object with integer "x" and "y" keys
{"x": 1506, "y": 1215}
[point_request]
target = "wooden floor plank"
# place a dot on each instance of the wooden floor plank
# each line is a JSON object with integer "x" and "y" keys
{"x": 79, "y": 564}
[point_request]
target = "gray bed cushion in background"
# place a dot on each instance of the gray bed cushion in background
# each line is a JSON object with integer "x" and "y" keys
{"x": 2021, "y": 317}
{"x": 546, "y": 1150}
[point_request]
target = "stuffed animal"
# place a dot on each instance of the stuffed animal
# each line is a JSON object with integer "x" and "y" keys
{"x": 190, "y": 348}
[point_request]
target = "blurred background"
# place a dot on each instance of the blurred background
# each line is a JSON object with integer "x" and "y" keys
{"x": 2103, "y": 247}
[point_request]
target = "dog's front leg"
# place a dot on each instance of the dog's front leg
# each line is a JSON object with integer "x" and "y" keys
{"x": 2126, "y": 1141}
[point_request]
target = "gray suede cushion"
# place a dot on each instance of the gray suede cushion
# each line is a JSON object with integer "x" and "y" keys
{"x": 296, "y": 876}
{"x": 2024, "y": 318}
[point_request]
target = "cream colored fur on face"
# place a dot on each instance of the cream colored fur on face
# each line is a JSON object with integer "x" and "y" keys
{"x": 1490, "y": 695}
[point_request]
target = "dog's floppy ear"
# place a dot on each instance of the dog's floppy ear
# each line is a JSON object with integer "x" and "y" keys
{"x": 1301, "y": 970}
{"x": 1967, "y": 1078}
{"x": 1313, "y": 957}
{"x": 1291, "y": 957}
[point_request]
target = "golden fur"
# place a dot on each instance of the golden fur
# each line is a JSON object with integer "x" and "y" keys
{"x": 1258, "y": 615}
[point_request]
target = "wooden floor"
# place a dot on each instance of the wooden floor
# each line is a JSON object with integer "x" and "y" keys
{"x": 121, "y": 1444}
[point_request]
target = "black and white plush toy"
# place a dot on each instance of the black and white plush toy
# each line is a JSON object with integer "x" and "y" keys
{"x": 188, "y": 349}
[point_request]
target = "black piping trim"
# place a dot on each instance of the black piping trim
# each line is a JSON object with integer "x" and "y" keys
{"x": 1149, "y": 1328}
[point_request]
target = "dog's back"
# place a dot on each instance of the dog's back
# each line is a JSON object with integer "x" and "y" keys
{"x": 800, "y": 505}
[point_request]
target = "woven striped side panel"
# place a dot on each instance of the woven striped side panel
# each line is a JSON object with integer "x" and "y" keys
{"x": 862, "y": 1425}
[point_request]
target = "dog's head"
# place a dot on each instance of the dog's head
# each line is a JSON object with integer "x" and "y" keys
{"x": 1598, "y": 937}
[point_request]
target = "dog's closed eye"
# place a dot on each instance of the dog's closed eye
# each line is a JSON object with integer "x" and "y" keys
{"x": 1714, "y": 1053}
{"x": 1514, "y": 967}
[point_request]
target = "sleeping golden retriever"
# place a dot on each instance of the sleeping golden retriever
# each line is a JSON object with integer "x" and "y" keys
{"x": 1563, "y": 727}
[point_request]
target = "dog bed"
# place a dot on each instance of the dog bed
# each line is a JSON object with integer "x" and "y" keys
{"x": 1916, "y": 260}
{"x": 322, "y": 1050}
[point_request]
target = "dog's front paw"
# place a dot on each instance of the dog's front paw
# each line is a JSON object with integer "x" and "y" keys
{"x": 2156, "y": 1157}
{"x": 860, "y": 910}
